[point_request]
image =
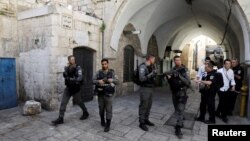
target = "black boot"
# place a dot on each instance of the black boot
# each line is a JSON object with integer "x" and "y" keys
{"x": 178, "y": 132}
{"x": 107, "y": 126}
{"x": 201, "y": 119}
{"x": 143, "y": 126}
{"x": 59, "y": 120}
{"x": 225, "y": 119}
{"x": 103, "y": 121}
{"x": 217, "y": 114}
{"x": 147, "y": 122}
{"x": 210, "y": 122}
{"x": 84, "y": 116}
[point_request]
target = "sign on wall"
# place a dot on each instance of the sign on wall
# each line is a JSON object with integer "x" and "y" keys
{"x": 67, "y": 21}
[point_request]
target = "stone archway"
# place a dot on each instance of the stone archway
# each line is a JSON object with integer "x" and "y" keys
{"x": 118, "y": 62}
{"x": 168, "y": 19}
{"x": 154, "y": 50}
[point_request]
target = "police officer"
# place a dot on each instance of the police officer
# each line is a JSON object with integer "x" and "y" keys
{"x": 105, "y": 81}
{"x": 179, "y": 81}
{"x": 147, "y": 75}
{"x": 73, "y": 80}
{"x": 238, "y": 77}
{"x": 208, "y": 93}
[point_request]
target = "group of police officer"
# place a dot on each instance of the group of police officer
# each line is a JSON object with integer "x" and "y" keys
{"x": 179, "y": 81}
{"x": 226, "y": 82}
{"x": 105, "y": 81}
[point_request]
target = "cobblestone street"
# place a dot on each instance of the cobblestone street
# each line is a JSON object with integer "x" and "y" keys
{"x": 15, "y": 127}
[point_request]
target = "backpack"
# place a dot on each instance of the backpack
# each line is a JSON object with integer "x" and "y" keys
{"x": 136, "y": 78}
{"x": 219, "y": 81}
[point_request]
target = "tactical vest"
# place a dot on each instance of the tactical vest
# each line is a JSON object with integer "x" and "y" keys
{"x": 107, "y": 88}
{"x": 175, "y": 82}
{"x": 73, "y": 86}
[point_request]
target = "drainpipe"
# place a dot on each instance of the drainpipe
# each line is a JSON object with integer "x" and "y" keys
{"x": 103, "y": 38}
{"x": 102, "y": 44}
{"x": 196, "y": 55}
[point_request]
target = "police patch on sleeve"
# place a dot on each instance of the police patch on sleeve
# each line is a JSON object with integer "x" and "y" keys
{"x": 80, "y": 72}
{"x": 116, "y": 77}
{"x": 239, "y": 71}
{"x": 142, "y": 70}
{"x": 211, "y": 77}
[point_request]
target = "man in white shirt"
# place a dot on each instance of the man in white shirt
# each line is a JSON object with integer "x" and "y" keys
{"x": 229, "y": 85}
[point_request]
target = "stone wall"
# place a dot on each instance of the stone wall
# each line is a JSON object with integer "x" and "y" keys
{"x": 153, "y": 48}
{"x": 8, "y": 37}
{"x": 38, "y": 61}
{"x": 47, "y": 36}
{"x": 245, "y": 5}
{"x": 118, "y": 62}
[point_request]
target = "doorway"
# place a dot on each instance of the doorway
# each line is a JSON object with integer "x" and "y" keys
{"x": 85, "y": 58}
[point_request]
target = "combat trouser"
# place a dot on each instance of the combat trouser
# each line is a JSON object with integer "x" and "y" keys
{"x": 179, "y": 100}
{"x": 105, "y": 105}
{"x": 76, "y": 99}
{"x": 146, "y": 99}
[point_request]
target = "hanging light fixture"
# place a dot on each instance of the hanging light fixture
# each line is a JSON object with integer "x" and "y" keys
{"x": 190, "y": 2}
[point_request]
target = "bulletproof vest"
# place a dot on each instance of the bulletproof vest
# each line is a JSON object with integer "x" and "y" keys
{"x": 175, "y": 82}
{"x": 108, "y": 89}
{"x": 71, "y": 84}
{"x": 71, "y": 73}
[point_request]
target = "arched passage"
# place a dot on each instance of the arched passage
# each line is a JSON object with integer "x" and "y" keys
{"x": 173, "y": 18}
{"x": 118, "y": 64}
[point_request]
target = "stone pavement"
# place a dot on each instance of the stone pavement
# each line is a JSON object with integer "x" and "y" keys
{"x": 15, "y": 127}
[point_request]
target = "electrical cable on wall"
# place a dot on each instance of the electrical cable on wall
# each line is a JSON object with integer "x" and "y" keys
{"x": 227, "y": 24}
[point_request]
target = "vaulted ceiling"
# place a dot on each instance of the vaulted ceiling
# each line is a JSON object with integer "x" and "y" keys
{"x": 174, "y": 24}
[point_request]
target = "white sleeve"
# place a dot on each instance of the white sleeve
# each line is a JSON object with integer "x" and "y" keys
{"x": 199, "y": 72}
{"x": 232, "y": 78}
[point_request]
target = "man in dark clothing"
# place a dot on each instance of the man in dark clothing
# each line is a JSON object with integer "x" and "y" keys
{"x": 238, "y": 76}
{"x": 208, "y": 92}
{"x": 178, "y": 78}
{"x": 73, "y": 80}
{"x": 147, "y": 75}
{"x": 105, "y": 81}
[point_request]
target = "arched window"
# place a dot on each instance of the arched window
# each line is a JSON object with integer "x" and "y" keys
{"x": 128, "y": 64}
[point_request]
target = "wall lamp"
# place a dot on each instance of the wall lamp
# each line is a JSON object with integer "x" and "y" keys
{"x": 134, "y": 32}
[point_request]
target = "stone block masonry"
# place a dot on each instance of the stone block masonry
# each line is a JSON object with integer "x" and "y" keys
{"x": 47, "y": 35}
